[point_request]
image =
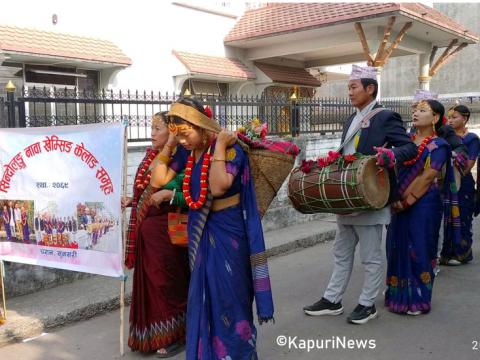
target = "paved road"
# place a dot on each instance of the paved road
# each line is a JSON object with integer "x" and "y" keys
{"x": 448, "y": 332}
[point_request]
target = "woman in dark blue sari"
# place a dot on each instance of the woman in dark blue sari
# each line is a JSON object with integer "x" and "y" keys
{"x": 412, "y": 236}
{"x": 226, "y": 246}
{"x": 460, "y": 252}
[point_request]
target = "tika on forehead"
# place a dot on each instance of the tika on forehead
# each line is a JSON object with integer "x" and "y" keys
{"x": 424, "y": 95}
{"x": 363, "y": 72}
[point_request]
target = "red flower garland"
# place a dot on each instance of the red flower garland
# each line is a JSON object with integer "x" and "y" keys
{"x": 333, "y": 156}
{"x": 142, "y": 180}
{"x": 349, "y": 158}
{"x": 195, "y": 205}
{"x": 420, "y": 150}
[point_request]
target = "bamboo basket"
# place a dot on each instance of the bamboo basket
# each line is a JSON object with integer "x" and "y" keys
{"x": 269, "y": 169}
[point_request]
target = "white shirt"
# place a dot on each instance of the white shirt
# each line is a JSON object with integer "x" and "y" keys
{"x": 349, "y": 147}
{"x": 372, "y": 217}
{"x": 12, "y": 216}
{"x": 18, "y": 214}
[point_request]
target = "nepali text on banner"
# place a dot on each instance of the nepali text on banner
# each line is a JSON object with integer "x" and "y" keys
{"x": 60, "y": 190}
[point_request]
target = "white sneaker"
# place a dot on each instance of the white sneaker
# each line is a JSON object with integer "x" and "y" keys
{"x": 454, "y": 262}
{"x": 414, "y": 313}
{"x": 436, "y": 270}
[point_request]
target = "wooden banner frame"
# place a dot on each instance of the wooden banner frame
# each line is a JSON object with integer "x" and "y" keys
{"x": 3, "y": 303}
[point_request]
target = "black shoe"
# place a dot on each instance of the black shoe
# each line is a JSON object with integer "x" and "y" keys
{"x": 324, "y": 307}
{"x": 362, "y": 314}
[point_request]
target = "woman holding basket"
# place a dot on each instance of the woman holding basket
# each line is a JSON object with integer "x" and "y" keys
{"x": 226, "y": 245}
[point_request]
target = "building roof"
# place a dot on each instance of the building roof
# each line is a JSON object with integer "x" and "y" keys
{"x": 288, "y": 75}
{"x": 280, "y": 18}
{"x": 52, "y": 44}
{"x": 214, "y": 65}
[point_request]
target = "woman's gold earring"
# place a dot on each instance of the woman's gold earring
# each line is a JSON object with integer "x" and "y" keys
{"x": 433, "y": 127}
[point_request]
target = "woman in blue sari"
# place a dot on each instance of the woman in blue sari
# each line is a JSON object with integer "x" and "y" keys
{"x": 460, "y": 252}
{"x": 226, "y": 245}
{"x": 412, "y": 236}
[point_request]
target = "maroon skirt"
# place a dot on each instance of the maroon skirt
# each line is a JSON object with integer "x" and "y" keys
{"x": 160, "y": 286}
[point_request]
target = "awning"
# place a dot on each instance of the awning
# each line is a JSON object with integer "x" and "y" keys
{"x": 288, "y": 75}
{"x": 282, "y": 18}
{"x": 31, "y": 45}
{"x": 214, "y": 66}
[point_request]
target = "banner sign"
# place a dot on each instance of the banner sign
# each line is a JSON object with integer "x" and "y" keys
{"x": 60, "y": 191}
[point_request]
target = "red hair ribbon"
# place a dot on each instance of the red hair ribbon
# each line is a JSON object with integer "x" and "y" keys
{"x": 208, "y": 111}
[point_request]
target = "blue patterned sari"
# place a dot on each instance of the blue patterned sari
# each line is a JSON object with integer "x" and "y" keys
{"x": 228, "y": 268}
{"x": 461, "y": 248}
{"x": 412, "y": 237}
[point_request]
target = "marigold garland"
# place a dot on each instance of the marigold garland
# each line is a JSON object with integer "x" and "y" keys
{"x": 195, "y": 205}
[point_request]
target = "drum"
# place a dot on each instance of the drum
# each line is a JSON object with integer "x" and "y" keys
{"x": 340, "y": 188}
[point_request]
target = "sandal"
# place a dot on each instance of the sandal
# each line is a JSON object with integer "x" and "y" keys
{"x": 171, "y": 350}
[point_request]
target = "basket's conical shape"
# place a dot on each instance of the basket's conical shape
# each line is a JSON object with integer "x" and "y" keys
{"x": 269, "y": 170}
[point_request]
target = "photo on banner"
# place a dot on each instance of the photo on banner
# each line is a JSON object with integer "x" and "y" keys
{"x": 60, "y": 192}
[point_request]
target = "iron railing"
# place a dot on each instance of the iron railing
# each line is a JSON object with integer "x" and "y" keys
{"x": 64, "y": 106}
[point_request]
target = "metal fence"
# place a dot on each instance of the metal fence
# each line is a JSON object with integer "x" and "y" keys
{"x": 63, "y": 106}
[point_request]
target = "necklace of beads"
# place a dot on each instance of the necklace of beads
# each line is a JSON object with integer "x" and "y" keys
{"x": 421, "y": 147}
{"x": 143, "y": 177}
{"x": 195, "y": 205}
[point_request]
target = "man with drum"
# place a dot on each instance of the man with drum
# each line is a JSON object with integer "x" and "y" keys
{"x": 371, "y": 130}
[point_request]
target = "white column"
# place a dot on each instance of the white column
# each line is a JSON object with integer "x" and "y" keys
{"x": 379, "y": 81}
{"x": 424, "y": 77}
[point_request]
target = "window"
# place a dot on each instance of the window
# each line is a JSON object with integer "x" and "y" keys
{"x": 43, "y": 82}
{"x": 89, "y": 82}
{"x": 205, "y": 88}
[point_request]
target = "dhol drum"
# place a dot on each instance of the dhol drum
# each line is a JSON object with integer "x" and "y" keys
{"x": 340, "y": 188}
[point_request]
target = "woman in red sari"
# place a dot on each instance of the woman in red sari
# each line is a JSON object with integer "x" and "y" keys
{"x": 160, "y": 280}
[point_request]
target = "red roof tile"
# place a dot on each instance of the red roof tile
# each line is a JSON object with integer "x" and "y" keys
{"x": 46, "y": 43}
{"x": 278, "y": 18}
{"x": 288, "y": 75}
{"x": 214, "y": 65}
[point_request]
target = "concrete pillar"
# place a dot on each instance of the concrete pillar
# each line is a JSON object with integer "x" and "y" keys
{"x": 424, "y": 77}
{"x": 379, "y": 81}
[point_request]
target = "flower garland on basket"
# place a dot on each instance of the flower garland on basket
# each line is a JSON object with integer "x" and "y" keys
{"x": 333, "y": 157}
{"x": 255, "y": 130}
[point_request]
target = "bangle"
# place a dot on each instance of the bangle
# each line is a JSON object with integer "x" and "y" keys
{"x": 405, "y": 204}
{"x": 215, "y": 159}
{"x": 163, "y": 159}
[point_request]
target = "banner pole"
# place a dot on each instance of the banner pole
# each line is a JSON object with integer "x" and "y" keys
{"x": 122, "y": 321}
{"x": 3, "y": 318}
{"x": 124, "y": 236}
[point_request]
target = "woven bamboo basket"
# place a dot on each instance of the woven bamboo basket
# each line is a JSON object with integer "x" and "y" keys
{"x": 269, "y": 170}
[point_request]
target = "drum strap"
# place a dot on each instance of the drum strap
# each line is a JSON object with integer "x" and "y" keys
{"x": 359, "y": 125}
